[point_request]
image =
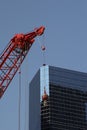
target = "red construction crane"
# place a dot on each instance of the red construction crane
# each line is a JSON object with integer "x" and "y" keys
{"x": 14, "y": 54}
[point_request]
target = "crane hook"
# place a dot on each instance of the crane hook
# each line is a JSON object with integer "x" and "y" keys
{"x": 43, "y": 48}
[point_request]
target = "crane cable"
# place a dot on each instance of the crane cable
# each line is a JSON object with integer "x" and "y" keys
{"x": 19, "y": 103}
{"x": 25, "y": 112}
{"x": 43, "y": 48}
{"x": 19, "y": 100}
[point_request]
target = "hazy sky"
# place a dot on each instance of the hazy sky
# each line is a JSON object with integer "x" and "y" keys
{"x": 65, "y": 38}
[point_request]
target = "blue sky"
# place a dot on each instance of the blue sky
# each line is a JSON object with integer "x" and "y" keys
{"x": 65, "y": 38}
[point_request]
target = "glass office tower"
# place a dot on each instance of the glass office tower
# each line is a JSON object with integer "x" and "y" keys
{"x": 65, "y": 107}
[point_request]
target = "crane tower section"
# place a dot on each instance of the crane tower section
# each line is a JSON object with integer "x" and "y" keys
{"x": 14, "y": 54}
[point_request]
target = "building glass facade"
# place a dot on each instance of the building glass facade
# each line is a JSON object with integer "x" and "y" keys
{"x": 44, "y": 80}
{"x": 66, "y": 106}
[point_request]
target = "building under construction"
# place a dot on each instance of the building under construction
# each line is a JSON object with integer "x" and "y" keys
{"x": 57, "y": 97}
{"x": 58, "y": 100}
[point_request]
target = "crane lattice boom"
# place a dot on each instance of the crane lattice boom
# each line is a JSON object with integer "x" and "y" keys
{"x": 13, "y": 56}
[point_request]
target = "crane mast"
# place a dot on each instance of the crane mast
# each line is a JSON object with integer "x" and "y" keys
{"x": 14, "y": 54}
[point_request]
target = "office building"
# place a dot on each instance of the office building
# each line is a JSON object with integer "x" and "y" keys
{"x": 58, "y": 100}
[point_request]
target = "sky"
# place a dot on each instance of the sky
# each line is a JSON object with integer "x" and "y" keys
{"x": 65, "y": 38}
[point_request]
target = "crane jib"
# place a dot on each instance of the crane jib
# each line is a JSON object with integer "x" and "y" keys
{"x": 13, "y": 56}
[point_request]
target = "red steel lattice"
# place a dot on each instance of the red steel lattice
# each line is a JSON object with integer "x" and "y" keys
{"x": 13, "y": 56}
